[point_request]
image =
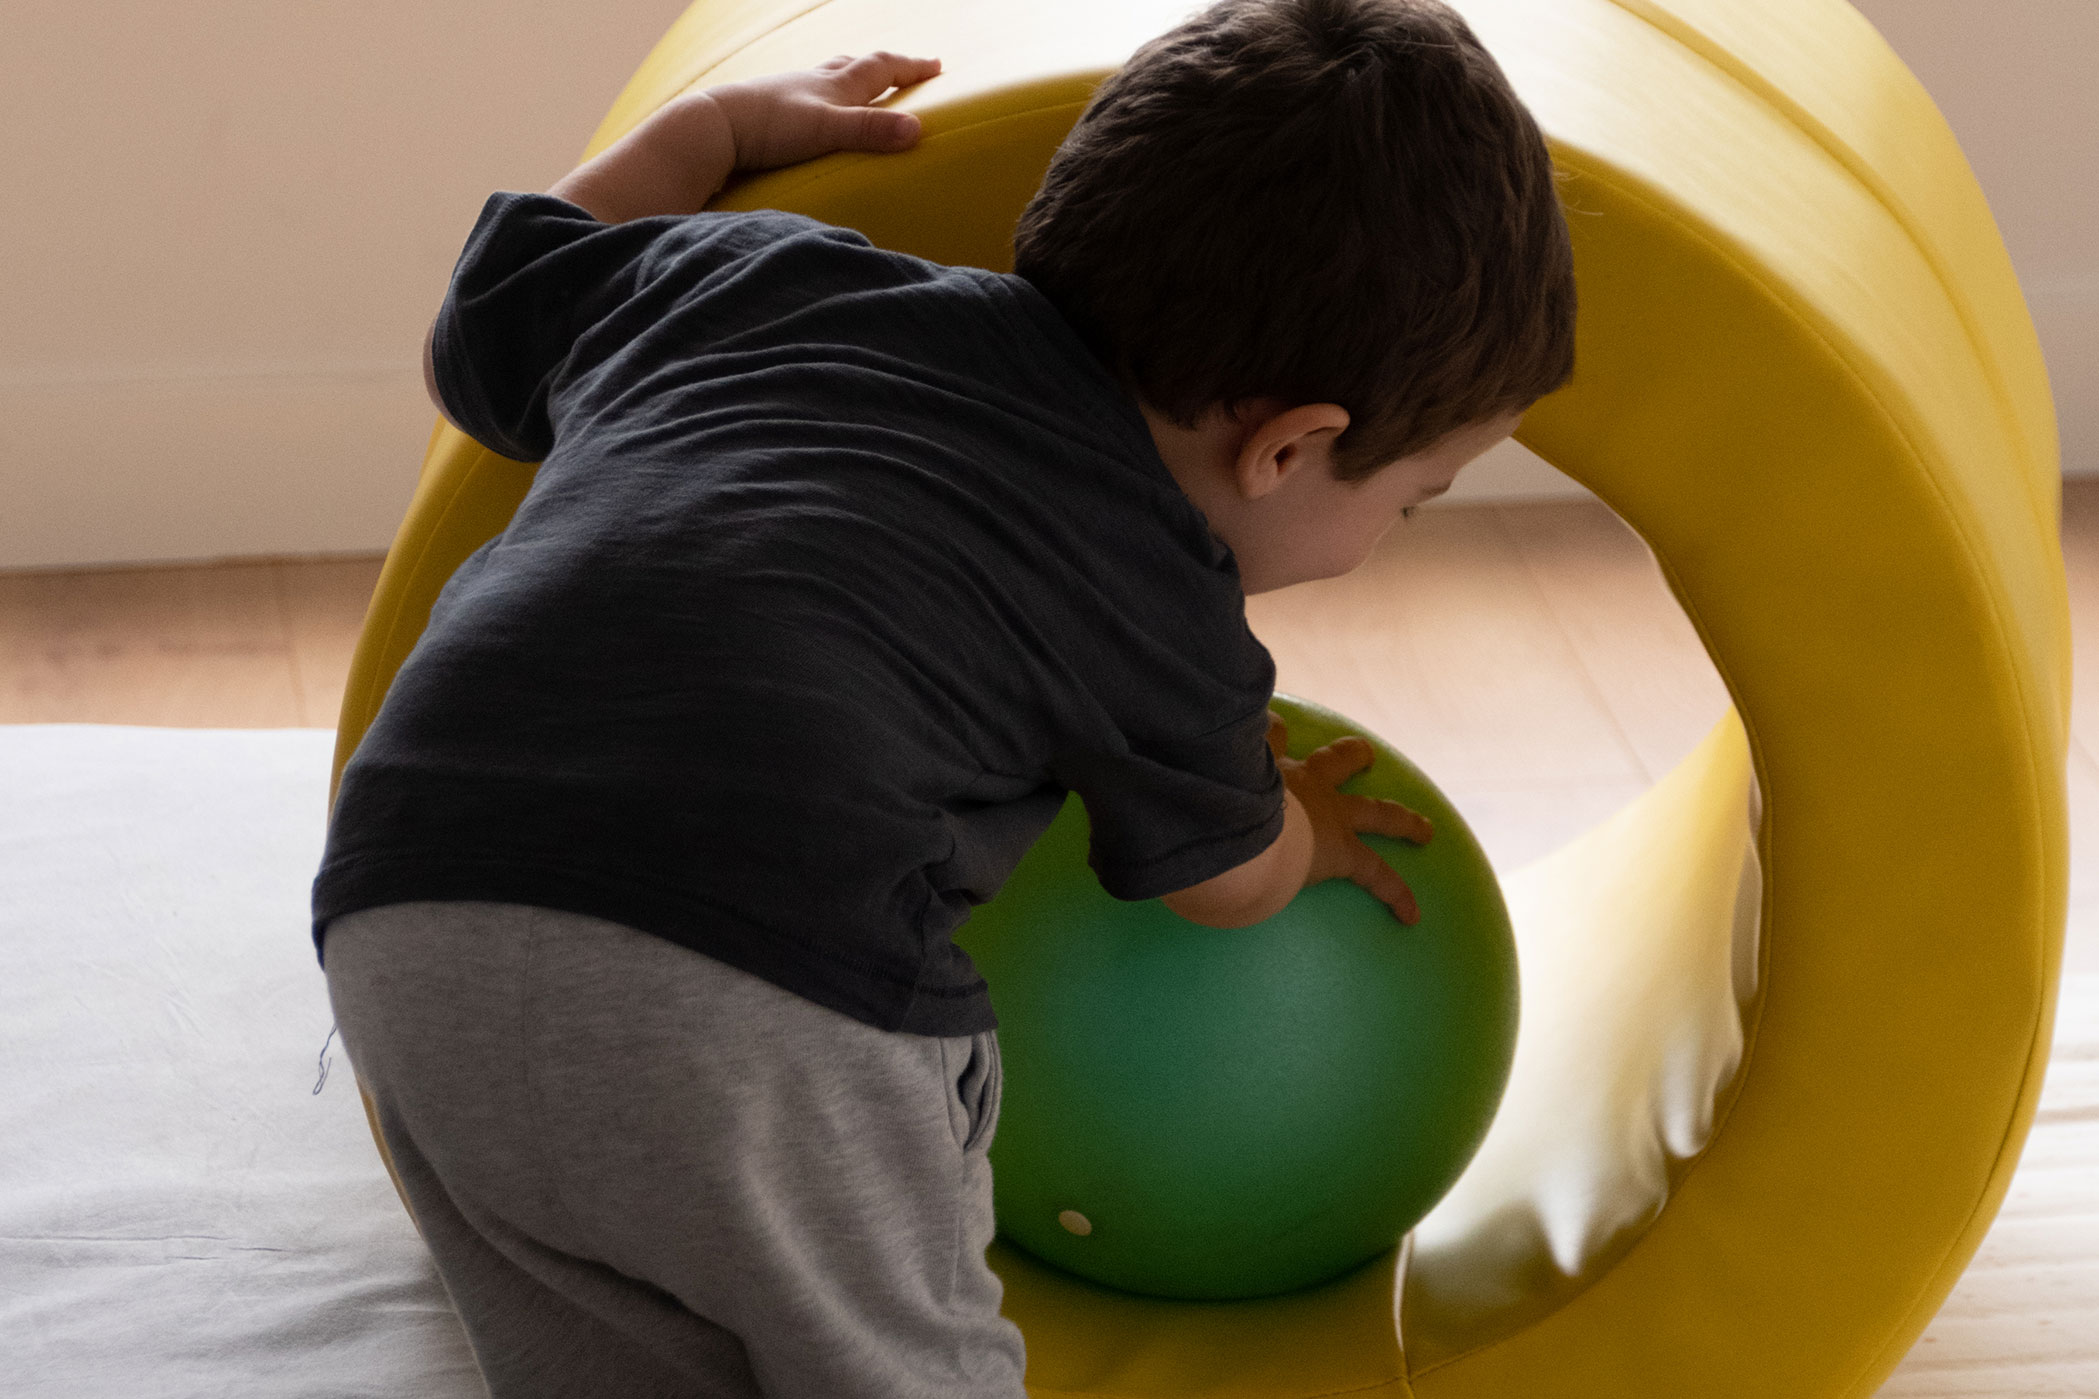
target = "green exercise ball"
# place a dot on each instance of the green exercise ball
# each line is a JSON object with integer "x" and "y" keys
{"x": 1208, "y": 1113}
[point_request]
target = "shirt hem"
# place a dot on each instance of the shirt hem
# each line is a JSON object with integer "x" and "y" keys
{"x": 812, "y": 973}
{"x": 1192, "y": 864}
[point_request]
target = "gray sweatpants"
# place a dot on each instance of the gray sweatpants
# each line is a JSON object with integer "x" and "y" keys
{"x": 646, "y": 1173}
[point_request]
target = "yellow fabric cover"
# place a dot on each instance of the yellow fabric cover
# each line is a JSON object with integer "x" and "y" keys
{"x": 1637, "y": 945}
{"x": 1807, "y": 378}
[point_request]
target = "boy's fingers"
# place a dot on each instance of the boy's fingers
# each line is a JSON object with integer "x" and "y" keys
{"x": 873, "y": 129}
{"x": 1340, "y": 760}
{"x": 1367, "y": 870}
{"x": 872, "y": 74}
{"x": 1387, "y": 818}
{"x": 1278, "y": 735}
{"x": 856, "y": 125}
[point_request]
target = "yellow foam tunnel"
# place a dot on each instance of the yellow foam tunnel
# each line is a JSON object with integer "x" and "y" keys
{"x": 1807, "y": 379}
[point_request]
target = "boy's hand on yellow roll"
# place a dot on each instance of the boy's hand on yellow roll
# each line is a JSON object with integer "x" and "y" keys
{"x": 679, "y": 157}
{"x": 786, "y": 118}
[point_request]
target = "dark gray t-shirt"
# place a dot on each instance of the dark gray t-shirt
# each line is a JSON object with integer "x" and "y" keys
{"x": 841, "y": 568}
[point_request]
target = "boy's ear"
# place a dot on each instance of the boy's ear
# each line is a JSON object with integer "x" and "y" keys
{"x": 1280, "y": 442}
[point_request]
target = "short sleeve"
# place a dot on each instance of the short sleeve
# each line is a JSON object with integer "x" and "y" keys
{"x": 1168, "y": 815}
{"x": 536, "y": 275}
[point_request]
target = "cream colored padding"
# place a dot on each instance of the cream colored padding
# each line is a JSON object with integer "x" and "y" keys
{"x": 1637, "y": 946}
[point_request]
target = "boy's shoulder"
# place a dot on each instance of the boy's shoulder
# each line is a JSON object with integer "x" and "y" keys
{"x": 815, "y": 309}
{"x": 779, "y": 242}
{"x": 726, "y": 250}
{"x": 973, "y": 316}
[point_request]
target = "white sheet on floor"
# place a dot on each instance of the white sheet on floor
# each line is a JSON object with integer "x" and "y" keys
{"x": 181, "y": 1216}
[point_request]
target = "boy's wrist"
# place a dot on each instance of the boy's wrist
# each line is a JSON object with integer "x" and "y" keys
{"x": 676, "y": 160}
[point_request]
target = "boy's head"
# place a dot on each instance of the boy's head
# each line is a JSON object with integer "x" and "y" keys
{"x": 1309, "y": 202}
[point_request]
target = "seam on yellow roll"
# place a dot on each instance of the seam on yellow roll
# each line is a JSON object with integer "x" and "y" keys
{"x": 2035, "y": 454}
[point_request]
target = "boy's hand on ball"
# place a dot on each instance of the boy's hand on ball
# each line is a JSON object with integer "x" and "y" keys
{"x": 785, "y": 118}
{"x": 1340, "y": 819}
{"x": 1321, "y": 839}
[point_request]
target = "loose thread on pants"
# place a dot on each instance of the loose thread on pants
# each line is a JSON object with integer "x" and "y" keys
{"x": 325, "y": 1061}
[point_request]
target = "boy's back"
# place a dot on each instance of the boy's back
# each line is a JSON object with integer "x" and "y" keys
{"x": 841, "y": 566}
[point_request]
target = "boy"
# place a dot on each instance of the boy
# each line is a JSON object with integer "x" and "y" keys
{"x": 840, "y": 571}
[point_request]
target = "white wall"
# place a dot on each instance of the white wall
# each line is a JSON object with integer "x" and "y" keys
{"x": 228, "y": 223}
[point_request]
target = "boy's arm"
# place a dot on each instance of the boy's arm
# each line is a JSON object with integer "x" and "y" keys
{"x": 1320, "y": 840}
{"x": 681, "y": 155}
{"x": 677, "y": 159}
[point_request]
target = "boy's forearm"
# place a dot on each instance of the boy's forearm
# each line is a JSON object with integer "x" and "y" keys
{"x": 1259, "y": 888}
{"x": 672, "y": 163}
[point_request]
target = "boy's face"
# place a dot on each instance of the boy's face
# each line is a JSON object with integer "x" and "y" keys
{"x": 1267, "y": 487}
{"x": 1332, "y": 526}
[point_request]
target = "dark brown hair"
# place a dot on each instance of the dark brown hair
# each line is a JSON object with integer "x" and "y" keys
{"x": 1316, "y": 200}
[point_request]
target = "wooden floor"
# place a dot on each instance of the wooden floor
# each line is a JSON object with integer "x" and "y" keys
{"x": 232, "y": 646}
{"x": 1527, "y": 656}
